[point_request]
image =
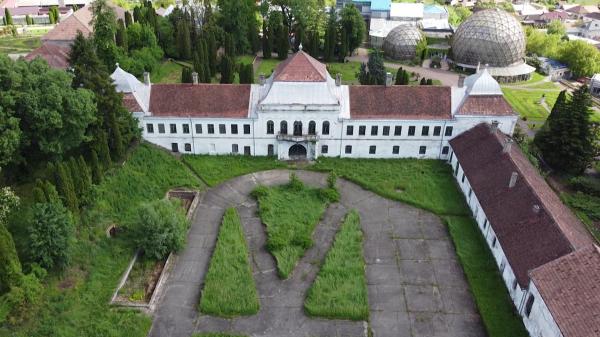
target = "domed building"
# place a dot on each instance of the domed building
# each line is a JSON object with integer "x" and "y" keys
{"x": 492, "y": 38}
{"x": 401, "y": 43}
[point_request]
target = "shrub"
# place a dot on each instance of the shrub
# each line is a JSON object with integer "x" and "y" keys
{"x": 295, "y": 183}
{"x": 332, "y": 179}
{"x": 17, "y": 305}
{"x": 51, "y": 235}
{"x": 160, "y": 229}
{"x": 330, "y": 194}
{"x": 587, "y": 185}
{"x": 10, "y": 267}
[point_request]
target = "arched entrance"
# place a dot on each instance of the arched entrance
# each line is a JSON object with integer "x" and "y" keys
{"x": 297, "y": 152}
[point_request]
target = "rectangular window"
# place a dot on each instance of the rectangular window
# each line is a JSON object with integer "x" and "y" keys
{"x": 324, "y": 149}
{"x": 396, "y": 149}
{"x": 422, "y": 149}
{"x": 437, "y": 130}
{"x": 514, "y": 284}
{"x": 270, "y": 150}
{"x": 246, "y": 129}
{"x": 174, "y": 147}
{"x": 398, "y": 130}
{"x": 374, "y": 130}
{"x": 470, "y": 192}
{"x": 529, "y": 305}
{"x": 186, "y": 128}
{"x": 445, "y": 150}
{"x": 149, "y": 128}
{"x": 188, "y": 147}
{"x": 235, "y": 148}
{"x": 485, "y": 223}
{"x": 350, "y": 130}
{"x": 362, "y": 130}
{"x": 173, "y": 128}
{"x": 247, "y": 149}
{"x": 234, "y": 129}
{"x": 411, "y": 130}
{"x": 222, "y": 129}
{"x": 386, "y": 130}
{"x": 348, "y": 149}
{"x": 425, "y": 131}
{"x": 456, "y": 169}
{"x": 198, "y": 128}
{"x": 448, "y": 131}
{"x": 463, "y": 178}
{"x": 161, "y": 128}
{"x": 211, "y": 129}
{"x": 372, "y": 149}
{"x": 494, "y": 242}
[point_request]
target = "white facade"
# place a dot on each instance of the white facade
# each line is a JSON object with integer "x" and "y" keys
{"x": 538, "y": 320}
{"x": 318, "y": 122}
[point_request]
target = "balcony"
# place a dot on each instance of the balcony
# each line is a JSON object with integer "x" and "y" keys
{"x": 297, "y": 138}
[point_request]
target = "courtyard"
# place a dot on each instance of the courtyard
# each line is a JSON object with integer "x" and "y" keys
{"x": 416, "y": 285}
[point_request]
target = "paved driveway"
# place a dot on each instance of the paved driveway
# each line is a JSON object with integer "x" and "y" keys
{"x": 416, "y": 286}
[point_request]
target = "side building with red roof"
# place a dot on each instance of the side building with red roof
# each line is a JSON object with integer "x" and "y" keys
{"x": 527, "y": 228}
{"x": 301, "y": 111}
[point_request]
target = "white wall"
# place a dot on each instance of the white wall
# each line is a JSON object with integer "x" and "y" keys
{"x": 540, "y": 321}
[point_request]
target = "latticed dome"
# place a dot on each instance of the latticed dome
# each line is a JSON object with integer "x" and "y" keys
{"x": 491, "y": 37}
{"x": 401, "y": 43}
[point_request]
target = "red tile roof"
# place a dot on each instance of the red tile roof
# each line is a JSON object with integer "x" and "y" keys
{"x": 486, "y": 106}
{"x": 66, "y": 30}
{"x": 131, "y": 103}
{"x": 528, "y": 238}
{"x": 301, "y": 67}
{"x": 57, "y": 56}
{"x": 202, "y": 100}
{"x": 400, "y": 102}
{"x": 570, "y": 287}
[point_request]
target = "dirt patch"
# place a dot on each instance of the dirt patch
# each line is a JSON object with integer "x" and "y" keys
{"x": 186, "y": 197}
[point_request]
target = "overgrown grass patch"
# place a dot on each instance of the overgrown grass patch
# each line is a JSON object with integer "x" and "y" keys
{"x": 493, "y": 301}
{"x": 215, "y": 170}
{"x": 145, "y": 176}
{"x": 427, "y": 184}
{"x": 229, "y": 288}
{"x": 266, "y": 67}
{"x": 290, "y": 214}
{"x": 168, "y": 72}
{"x": 527, "y": 102}
{"x": 340, "y": 289}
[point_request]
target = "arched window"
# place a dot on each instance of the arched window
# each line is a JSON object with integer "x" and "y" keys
{"x": 270, "y": 127}
{"x": 283, "y": 128}
{"x": 312, "y": 128}
{"x": 325, "y": 130}
{"x": 297, "y": 128}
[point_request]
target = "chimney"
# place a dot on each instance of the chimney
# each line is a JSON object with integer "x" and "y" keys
{"x": 261, "y": 79}
{"x": 513, "y": 180}
{"x": 388, "y": 79}
{"x": 507, "y": 145}
{"x": 146, "y": 78}
{"x": 461, "y": 81}
{"x": 536, "y": 209}
{"x": 338, "y": 80}
{"x": 195, "y": 78}
{"x": 494, "y": 126}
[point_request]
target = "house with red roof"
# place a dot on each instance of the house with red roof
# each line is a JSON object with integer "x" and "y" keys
{"x": 301, "y": 111}
{"x": 537, "y": 242}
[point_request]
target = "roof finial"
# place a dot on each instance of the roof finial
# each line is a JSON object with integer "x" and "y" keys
{"x": 300, "y": 47}
{"x": 117, "y": 64}
{"x": 478, "y": 66}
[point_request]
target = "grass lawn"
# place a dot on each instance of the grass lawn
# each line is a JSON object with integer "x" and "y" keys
{"x": 526, "y": 102}
{"x": 340, "y": 289}
{"x": 229, "y": 288}
{"x": 266, "y": 67}
{"x": 245, "y": 59}
{"x": 215, "y": 170}
{"x": 22, "y": 44}
{"x": 427, "y": 184}
{"x": 348, "y": 71}
{"x": 75, "y": 304}
{"x": 491, "y": 296}
{"x": 290, "y": 215}
{"x": 168, "y": 72}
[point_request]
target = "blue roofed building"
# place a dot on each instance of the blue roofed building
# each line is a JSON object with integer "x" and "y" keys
{"x": 369, "y": 8}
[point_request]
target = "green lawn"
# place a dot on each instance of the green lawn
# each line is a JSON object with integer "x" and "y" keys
{"x": 340, "y": 289}
{"x": 491, "y": 296}
{"x": 526, "y": 102}
{"x": 427, "y": 184}
{"x": 75, "y": 304}
{"x": 229, "y": 288}
{"x": 19, "y": 45}
{"x": 348, "y": 71}
{"x": 266, "y": 67}
{"x": 168, "y": 72}
{"x": 290, "y": 215}
{"x": 215, "y": 170}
